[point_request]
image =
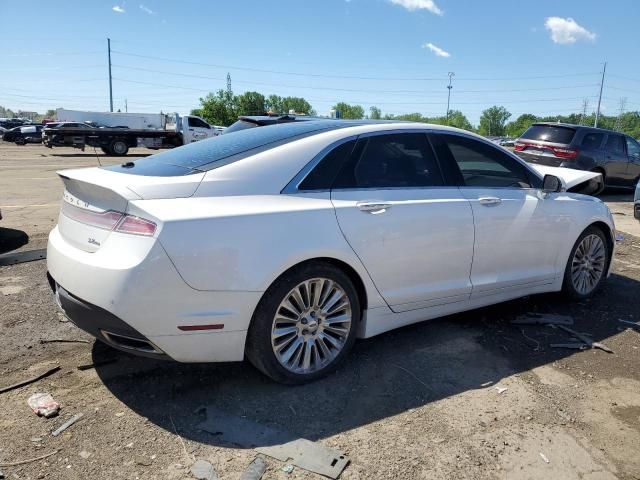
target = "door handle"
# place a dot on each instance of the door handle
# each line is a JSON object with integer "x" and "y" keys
{"x": 373, "y": 207}
{"x": 489, "y": 200}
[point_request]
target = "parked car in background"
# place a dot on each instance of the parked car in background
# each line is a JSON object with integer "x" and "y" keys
{"x": 11, "y": 134}
{"x": 615, "y": 155}
{"x": 29, "y": 134}
{"x": 286, "y": 242}
{"x": 252, "y": 121}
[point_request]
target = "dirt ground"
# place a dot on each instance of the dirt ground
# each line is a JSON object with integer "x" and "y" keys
{"x": 420, "y": 402}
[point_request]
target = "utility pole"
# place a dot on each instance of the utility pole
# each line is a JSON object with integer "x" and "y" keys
{"x": 449, "y": 87}
{"x": 229, "y": 83}
{"x": 604, "y": 69}
{"x": 126, "y": 107}
{"x": 623, "y": 105}
{"x": 585, "y": 106}
{"x": 110, "y": 81}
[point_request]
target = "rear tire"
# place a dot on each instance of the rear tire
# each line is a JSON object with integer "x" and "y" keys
{"x": 118, "y": 148}
{"x": 587, "y": 265}
{"x": 305, "y": 324}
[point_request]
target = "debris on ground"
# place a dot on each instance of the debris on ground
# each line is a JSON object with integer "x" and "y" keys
{"x": 1, "y": 475}
{"x": 542, "y": 319}
{"x": 255, "y": 470}
{"x": 585, "y": 339}
{"x": 633, "y": 324}
{"x": 487, "y": 384}
{"x": 23, "y": 462}
{"x": 99, "y": 364}
{"x": 308, "y": 455}
{"x": 501, "y": 389}
{"x": 63, "y": 340}
{"x": 28, "y": 381}
{"x": 203, "y": 470}
{"x": 544, "y": 457}
{"x": 67, "y": 424}
{"x": 287, "y": 468}
{"x": 43, "y": 405}
{"x": 84, "y": 454}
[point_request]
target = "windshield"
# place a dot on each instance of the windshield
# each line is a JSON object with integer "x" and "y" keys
{"x": 221, "y": 150}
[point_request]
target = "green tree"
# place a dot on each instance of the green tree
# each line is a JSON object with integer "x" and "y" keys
{"x": 298, "y": 105}
{"x": 375, "y": 113}
{"x": 250, "y": 103}
{"x": 520, "y": 124}
{"x": 218, "y": 108}
{"x": 457, "y": 119}
{"x": 493, "y": 121}
{"x": 347, "y": 111}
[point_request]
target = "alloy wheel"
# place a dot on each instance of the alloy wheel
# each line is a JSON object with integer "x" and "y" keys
{"x": 311, "y": 325}
{"x": 588, "y": 264}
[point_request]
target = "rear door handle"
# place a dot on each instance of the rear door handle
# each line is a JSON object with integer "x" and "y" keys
{"x": 489, "y": 200}
{"x": 373, "y": 207}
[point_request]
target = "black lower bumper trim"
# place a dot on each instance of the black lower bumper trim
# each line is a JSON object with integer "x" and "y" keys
{"x": 104, "y": 325}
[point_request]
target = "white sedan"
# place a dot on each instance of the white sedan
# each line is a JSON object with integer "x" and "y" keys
{"x": 285, "y": 243}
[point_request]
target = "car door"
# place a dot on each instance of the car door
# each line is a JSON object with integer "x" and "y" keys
{"x": 616, "y": 160}
{"x": 197, "y": 130}
{"x": 517, "y": 228}
{"x": 413, "y": 233}
{"x": 633, "y": 155}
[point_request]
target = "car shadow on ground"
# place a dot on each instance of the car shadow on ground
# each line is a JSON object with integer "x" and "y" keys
{"x": 383, "y": 376}
{"x": 12, "y": 239}
{"x": 616, "y": 195}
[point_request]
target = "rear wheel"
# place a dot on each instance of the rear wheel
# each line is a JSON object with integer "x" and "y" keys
{"x": 587, "y": 265}
{"x": 305, "y": 324}
{"x": 118, "y": 148}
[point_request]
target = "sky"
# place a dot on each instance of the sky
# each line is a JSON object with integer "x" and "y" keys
{"x": 543, "y": 57}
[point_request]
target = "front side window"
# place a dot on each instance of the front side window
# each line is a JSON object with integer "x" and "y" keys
{"x": 196, "y": 122}
{"x": 592, "y": 141}
{"x": 391, "y": 161}
{"x": 615, "y": 144}
{"x": 482, "y": 165}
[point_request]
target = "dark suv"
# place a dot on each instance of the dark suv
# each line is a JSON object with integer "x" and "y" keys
{"x": 615, "y": 155}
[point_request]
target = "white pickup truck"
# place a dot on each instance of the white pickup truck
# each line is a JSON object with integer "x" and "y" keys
{"x": 114, "y": 133}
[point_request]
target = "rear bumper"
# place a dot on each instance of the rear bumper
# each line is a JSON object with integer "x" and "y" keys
{"x": 130, "y": 288}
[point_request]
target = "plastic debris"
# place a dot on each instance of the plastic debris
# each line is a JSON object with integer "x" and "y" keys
{"x": 544, "y": 457}
{"x": 619, "y": 237}
{"x": 308, "y": 455}
{"x": 84, "y": 454}
{"x": 255, "y": 470}
{"x": 287, "y": 468}
{"x": 203, "y": 470}
{"x": 501, "y": 389}
{"x": 585, "y": 339}
{"x": 542, "y": 319}
{"x": 43, "y": 405}
{"x": 67, "y": 424}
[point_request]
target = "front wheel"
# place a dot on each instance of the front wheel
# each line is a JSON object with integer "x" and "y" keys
{"x": 587, "y": 265}
{"x": 305, "y": 324}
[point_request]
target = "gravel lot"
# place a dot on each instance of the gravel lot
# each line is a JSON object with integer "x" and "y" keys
{"x": 420, "y": 402}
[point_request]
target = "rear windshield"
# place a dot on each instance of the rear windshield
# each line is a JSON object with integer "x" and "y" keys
{"x": 549, "y": 133}
{"x": 239, "y": 125}
{"x": 221, "y": 150}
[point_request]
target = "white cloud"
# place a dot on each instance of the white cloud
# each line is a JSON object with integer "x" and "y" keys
{"x": 118, "y": 9}
{"x": 566, "y": 30}
{"x": 413, "y": 5}
{"x": 436, "y": 50}
{"x": 147, "y": 10}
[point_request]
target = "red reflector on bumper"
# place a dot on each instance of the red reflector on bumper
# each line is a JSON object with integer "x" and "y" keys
{"x": 191, "y": 328}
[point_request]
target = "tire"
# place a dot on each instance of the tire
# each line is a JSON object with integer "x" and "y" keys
{"x": 590, "y": 256}
{"x": 20, "y": 141}
{"x": 310, "y": 330}
{"x": 118, "y": 148}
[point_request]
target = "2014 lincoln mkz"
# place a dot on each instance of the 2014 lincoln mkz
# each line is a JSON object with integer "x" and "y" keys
{"x": 285, "y": 243}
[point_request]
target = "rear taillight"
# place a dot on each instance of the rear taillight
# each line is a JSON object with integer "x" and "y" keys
{"x": 565, "y": 152}
{"x": 136, "y": 226}
{"x": 519, "y": 147}
{"x": 110, "y": 220}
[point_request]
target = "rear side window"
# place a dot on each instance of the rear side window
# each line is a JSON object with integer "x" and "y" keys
{"x": 550, "y": 133}
{"x": 224, "y": 149}
{"x": 483, "y": 165}
{"x": 325, "y": 172}
{"x": 615, "y": 144}
{"x": 592, "y": 140}
{"x": 391, "y": 161}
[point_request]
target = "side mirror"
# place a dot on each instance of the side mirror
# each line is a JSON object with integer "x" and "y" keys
{"x": 551, "y": 184}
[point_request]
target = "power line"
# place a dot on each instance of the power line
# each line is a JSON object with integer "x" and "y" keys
{"x": 354, "y": 77}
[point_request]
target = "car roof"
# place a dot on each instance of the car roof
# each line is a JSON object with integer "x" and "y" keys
{"x": 576, "y": 127}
